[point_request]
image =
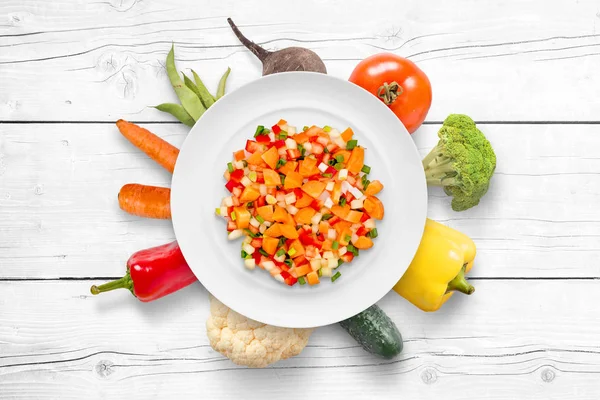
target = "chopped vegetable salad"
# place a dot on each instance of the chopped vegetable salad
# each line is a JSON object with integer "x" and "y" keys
{"x": 302, "y": 201}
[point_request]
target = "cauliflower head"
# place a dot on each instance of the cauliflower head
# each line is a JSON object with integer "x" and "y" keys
{"x": 251, "y": 343}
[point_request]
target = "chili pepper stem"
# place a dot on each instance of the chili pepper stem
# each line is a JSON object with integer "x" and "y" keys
{"x": 123, "y": 283}
{"x": 460, "y": 284}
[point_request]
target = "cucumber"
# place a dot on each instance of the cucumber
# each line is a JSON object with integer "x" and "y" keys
{"x": 375, "y": 332}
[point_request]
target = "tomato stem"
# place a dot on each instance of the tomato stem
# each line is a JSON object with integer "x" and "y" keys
{"x": 389, "y": 92}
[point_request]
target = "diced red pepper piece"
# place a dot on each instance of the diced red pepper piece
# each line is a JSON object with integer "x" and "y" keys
{"x": 256, "y": 243}
{"x": 334, "y": 220}
{"x": 331, "y": 170}
{"x": 306, "y": 238}
{"x": 263, "y": 139}
{"x": 252, "y": 146}
{"x": 276, "y": 129}
{"x": 290, "y": 280}
{"x": 300, "y": 260}
{"x": 362, "y": 231}
{"x": 232, "y": 185}
{"x": 313, "y": 138}
{"x": 316, "y": 205}
{"x": 260, "y": 177}
{"x": 236, "y": 175}
{"x": 279, "y": 143}
{"x": 347, "y": 257}
{"x": 256, "y": 255}
{"x": 231, "y": 226}
{"x": 321, "y": 237}
{"x": 364, "y": 217}
{"x": 299, "y": 193}
{"x": 261, "y": 201}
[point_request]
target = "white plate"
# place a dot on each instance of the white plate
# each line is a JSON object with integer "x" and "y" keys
{"x": 301, "y": 98}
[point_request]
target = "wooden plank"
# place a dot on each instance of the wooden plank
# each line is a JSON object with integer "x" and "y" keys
{"x": 539, "y": 218}
{"x": 56, "y": 342}
{"x": 72, "y": 61}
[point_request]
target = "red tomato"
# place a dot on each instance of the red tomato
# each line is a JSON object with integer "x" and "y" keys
{"x": 399, "y": 83}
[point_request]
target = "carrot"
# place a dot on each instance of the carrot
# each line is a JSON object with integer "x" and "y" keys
{"x": 145, "y": 201}
{"x": 156, "y": 148}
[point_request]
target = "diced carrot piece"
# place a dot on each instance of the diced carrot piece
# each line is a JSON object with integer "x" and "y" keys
{"x": 280, "y": 214}
{"x": 301, "y": 138}
{"x": 271, "y": 157}
{"x": 255, "y": 158}
{"x": 327, "y": 245}
{"x": 288, "y": 167}
{"x": 324, "y": 227}
{"x": 239, "y": 155}
{"x": 289, "y": 231}
{"x": 341, "y": 226}
{"x": 303, "y": 201}
{"x": 266, "y": 212}
{"x": 341, "y": 211}
{"x": 357, "y": 160}
{"x": 354, "y": 216}
{"x": 345, "y": 236}
{"x": 242, "y": 217}
{"x": 298, "y": 249}
{"x": 374, "y": 207}
{"x": 347, "y": 134}
{"x": 304, "y": 215}
{"x": 337, "y": 192}
{"x": 282, "y": 122}
{"x": 374, "y": 188}
{"x": 314, "y": 188}
{"x": 290, "y": 220}
{"x": 312, "y": 278}
{"x": 273, "y": 231}
{"x": 363, "y": 242}
{"x": 272, "y": 178}
{"x": 343, "y": 153}
{"x": 307, "y": 167}
{"x": 313, "y": 131}
{"x": 250, "y": 193}
{"x": 269, "y": 244}
{"x": 292, "y": 180}
{"x": 303, "y": 270}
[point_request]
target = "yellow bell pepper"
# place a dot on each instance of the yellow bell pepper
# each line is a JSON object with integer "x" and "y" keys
{"x": 438, "y": 269}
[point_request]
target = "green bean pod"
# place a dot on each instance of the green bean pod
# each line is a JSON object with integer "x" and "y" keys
{"x": 207, "y": 98}
{"x": 190, "y": 102}
{"x": 222, "y": 82}
{"x": 177, "y": 111}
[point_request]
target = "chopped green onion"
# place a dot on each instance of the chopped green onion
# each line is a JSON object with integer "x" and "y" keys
{"x": 336, "y": 276}
{"x": 259, "y": 130}
{"x": 325, "y": 217}
{"x": 301, "y": 280}
{"x": 327, "y": 128}
{"x": 291, "y": 252}
{"x": 351, "y": 248}
{"x": 280, "y": 163}
{"x": 335, "y": 245}
{"x": 301, "y": 149}
{"x": 244, "y": 254}
{"x": 288, "y": 262}
{"x": 373, "y": 233}
{"x": 230, "y": 167}
{"x": 348, "y": 238}
{"x": 340, "y": 262}
{"x": 280, "y": 252}
{"x": 343, "y": 201}
{"x": 282, "y": 176}
{"x": 233, "y": 216}
{"x": 305, "y": 128}
{"x": 328, "y": 175}
{"x": 320, "y": 272}
{"x": 326, "y": 150}
{"x": 266, "y": 132}
{"x": 283, "y": 135}
{"x": 366, "y": 184}
{"x": 351, "y": 144}
{"x": 282, "y": 241}
{"x": 338, "y": 166}
{"x": 339, "y": 158}
{"x": 366, "y": 169}
{"x": 331, "y": 162}
{"x": 250, "y": 204}
{"x": 251, "y": 234}
{"x": 218, "y": 211}
{"x": 264, "y": 253}
{"x": 260, "y": 219}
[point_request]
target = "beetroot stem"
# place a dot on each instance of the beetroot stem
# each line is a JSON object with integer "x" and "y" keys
{"x": 250, "y": 45}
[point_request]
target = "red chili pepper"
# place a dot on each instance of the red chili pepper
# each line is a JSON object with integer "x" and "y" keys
{"x": 276, "y": 129}
{"x": 153, "y": 273}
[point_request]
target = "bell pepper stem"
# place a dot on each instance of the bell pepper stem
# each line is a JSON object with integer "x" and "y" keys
{"x": 460, "y": 284}
{"x": 123, "y": 283}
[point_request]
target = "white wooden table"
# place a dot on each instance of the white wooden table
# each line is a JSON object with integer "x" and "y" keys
{"x": 528, "y": 72}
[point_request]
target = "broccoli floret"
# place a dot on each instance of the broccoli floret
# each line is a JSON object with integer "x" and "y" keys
{"x": 462, "y": 162}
